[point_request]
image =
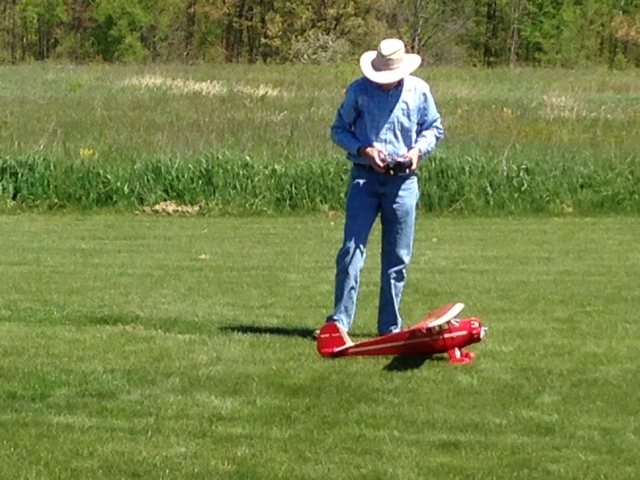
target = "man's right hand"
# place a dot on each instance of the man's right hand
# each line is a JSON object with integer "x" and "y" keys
{"x": 374, "y": 156}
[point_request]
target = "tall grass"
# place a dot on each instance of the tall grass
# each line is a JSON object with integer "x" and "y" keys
{"x": 257, "y": 137}
{"x": 471, "y": 185}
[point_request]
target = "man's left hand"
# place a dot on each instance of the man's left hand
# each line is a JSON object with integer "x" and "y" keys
{"x": 414, "y": 155}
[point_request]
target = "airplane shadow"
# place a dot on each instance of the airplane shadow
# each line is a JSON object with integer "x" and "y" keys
{"x": 404, "y": 363}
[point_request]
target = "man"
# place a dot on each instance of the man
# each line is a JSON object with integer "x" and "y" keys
{"x": 388, "y": 114}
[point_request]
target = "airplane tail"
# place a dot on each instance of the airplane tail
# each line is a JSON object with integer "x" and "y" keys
{"x": 332, "y": 339}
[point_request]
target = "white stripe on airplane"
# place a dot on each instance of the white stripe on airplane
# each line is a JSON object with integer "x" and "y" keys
{"x": 406, "y": 342}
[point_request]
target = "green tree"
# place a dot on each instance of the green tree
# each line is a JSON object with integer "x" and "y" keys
{"x": 10, "y": 20}
{"x": 625, "y": 28}
{"x": 117, "y": 30}
{"x": 41, "y": 24}
{"x": 479, "y": 32}
{"x": 437, "y": 29}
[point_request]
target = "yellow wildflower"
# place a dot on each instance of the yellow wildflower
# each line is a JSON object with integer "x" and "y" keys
{"x": 87, "y": 152}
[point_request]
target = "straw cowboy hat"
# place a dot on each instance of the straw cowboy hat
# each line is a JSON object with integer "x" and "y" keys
{"x": 390, "y": 63}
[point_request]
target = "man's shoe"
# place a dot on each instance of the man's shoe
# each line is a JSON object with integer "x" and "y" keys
{"x": 395, "y": 330}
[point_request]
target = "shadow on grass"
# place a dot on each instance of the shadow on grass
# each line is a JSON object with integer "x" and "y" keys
{"x": 281, "y": 331}
{"x": 400, "y": 363}
{"x": 136, "y": 321}
{"x": 132, "y": 321}
{"x": 403, "y": 363}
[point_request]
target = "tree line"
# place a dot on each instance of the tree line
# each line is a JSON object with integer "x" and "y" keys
{"x": 567, "y": 33}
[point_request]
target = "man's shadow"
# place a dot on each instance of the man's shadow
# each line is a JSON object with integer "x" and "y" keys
{"x": 281, "y": 331}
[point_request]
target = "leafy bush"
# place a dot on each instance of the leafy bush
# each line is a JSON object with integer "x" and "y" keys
{"x": 319, "y": 49}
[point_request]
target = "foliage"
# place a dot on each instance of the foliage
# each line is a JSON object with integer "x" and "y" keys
{"x": 117, "y": 30}
{"x": 571, "y": 33}
{"x": 40, "y": 22}
{"x": 319, "y": 49}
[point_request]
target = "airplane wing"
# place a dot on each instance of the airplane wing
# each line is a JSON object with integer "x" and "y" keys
{"x": 440, "y": 316}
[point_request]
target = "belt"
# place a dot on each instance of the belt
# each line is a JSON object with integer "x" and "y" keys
{"x": 397, "y": 170}
{"x": 365, "y": 167}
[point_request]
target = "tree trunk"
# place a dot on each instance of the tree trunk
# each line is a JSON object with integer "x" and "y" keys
{"x": 190, "y": 26}
{"x": 417, "y": 23}
{"x": 233, "y": 31}
{"x": 253, "y": 35}
{"x": 12, "y": 32}
{"x": 514, "y": 34}
{"x": 150, "y": 41}
{"x": 491, "y": 33}
{"x": 79, "y": 25}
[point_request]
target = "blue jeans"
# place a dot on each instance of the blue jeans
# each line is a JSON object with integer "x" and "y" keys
{"x": 395, "y": 199}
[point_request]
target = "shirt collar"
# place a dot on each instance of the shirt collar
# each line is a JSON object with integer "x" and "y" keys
{"x": 397, "y": 87}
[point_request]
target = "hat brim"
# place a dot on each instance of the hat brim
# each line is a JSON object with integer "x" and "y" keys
{"x": 410, "y": 63}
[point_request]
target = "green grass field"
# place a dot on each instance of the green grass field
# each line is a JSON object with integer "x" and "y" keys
{"x": 128, "y": 114}
{"x": 239, "y": 138}
{"x": 149, "y": 347}
{"x": 178, "y": 348}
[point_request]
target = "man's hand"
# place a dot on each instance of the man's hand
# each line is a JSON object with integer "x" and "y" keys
{"x": 414, "y": 154}
{"x": 374, "y": 156}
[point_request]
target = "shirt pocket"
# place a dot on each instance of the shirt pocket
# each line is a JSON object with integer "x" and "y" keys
{"x": 407, "y": 116}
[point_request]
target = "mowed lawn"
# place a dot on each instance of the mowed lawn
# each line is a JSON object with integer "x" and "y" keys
{"x": 179, "y": 348}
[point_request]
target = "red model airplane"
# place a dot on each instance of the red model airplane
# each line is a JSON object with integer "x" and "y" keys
{"x": 438, "y": 332}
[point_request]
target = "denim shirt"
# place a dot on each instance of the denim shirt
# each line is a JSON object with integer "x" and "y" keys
{"x": 395, "y": 120}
